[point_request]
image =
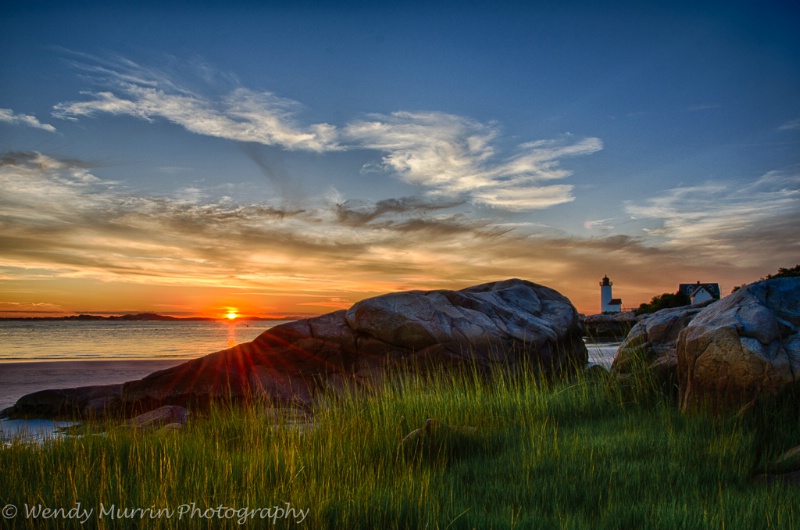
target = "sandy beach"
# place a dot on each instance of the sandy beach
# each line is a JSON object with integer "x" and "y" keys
{"x": 18, "y": 379}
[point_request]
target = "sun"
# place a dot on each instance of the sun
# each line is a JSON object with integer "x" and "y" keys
{"x": 231, "y": 314}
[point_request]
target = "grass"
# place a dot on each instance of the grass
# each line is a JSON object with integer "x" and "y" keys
{"x": 579, "y": 453}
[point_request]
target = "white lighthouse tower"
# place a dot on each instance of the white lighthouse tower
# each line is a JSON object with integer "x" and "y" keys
{"x": 608, "y": 304}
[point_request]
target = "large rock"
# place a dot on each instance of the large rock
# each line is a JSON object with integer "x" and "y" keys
{"x": 166, "y": 415}
{"x": 66, "y": 402}
{"x": 651, "y": 345}
{"x": 497, "y": 324}
{"x": 742, "y": 347}
{"x": 609, "y": 326}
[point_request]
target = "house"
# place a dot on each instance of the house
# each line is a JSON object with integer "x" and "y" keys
{"x": 700, "y": 292}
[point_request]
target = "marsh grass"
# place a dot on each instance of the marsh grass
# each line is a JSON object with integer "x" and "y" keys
{"x": 584, "y": 452}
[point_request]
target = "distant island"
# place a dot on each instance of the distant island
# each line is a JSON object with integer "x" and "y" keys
{"x": 151, "y": 317}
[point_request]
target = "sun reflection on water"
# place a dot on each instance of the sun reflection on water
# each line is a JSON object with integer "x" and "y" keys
{"x": 231, "y": 335}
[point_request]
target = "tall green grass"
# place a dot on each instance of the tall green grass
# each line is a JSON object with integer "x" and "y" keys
{"x": 586, "y": 452}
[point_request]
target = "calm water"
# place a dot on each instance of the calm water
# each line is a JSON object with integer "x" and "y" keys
{"x": 59, "y": 340}
{"x": 41, "y": 354}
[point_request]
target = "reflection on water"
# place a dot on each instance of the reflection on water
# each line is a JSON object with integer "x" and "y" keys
{"x": 602, "y": 353}
{"x": 232, "y": 335}
{"x": 36, "y": 431}
{"x": 55, "y": 340}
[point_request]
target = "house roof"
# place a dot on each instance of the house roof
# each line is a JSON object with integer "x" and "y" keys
{"x": 615, "y": 301}
{"x": 691, "y": 289}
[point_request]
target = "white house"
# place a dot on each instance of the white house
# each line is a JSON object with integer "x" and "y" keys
{"x": 700, "y": 292}
{"x": 608, "y": 304}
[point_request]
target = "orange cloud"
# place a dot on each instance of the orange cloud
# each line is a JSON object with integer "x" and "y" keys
{"x": 74, "y": 241}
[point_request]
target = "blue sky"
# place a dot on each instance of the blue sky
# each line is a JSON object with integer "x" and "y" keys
{"x": 298, "y": 156}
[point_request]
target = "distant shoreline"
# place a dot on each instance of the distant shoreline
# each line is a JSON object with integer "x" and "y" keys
{"x": 152, "y": 317}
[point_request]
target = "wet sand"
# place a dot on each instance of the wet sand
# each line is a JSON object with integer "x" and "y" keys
{"x": 18, "y": 379}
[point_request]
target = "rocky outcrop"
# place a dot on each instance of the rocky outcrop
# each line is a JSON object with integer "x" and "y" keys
{"x": 504, "y": 324}
{"x": 651, "y": 345}
{"x": 742, "y": 347}
{"x": 160, "y": 417}
{"x": 433, "y": 425}
{"x": 609, "y": 326}
{"x": 67, "y": 402}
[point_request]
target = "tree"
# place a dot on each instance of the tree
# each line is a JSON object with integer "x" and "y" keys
{"x": 663, "y": 301}
{"x": 783, "y": 272}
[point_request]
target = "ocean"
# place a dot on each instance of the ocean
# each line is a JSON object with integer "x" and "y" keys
{"x": 40, "y": 354}
{"x": 70, "y": 340}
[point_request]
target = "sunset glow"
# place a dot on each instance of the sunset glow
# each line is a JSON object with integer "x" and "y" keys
{"x": 310, "y": 157}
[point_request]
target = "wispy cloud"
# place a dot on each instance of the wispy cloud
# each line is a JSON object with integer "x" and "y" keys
{"x": 56, "y": 215}
{"x": 717, "y": 221}
{"x": 448, "y": 155}
{"x": 360, "y": 213}
{"x": 704, "y": 106}
{"x": 28, "y": 307}
{"x": 58, "y": 220}
{"x": 793, "y": 125}
{"x": 9, "y": 116}
{"x": 241, "y": 114}
{"x": 458, "y": 157}
{"x": 601, "y": 225}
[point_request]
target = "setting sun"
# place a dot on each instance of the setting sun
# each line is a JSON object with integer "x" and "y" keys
{"x": 231, "y": 314}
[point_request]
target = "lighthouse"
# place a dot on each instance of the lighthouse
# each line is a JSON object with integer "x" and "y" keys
{"x": 608, "y": 304}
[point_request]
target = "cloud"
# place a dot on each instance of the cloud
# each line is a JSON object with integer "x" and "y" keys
{"x": 792, "y": 125}
{"x": 602, "y": 225}
{"x": 717, "y": 221}
{"x": 704, "y": 106}
{"x": 13, "y": 308}
{"x": 59, "y": 221}
{"x": 454, "y": 156}
{"x": 447, "y": 155}
{"x": 57, "y": 216}
{"x": 361, "y": 213}
{"x": 10, "y": 117}
{"x": 241, "y": 114}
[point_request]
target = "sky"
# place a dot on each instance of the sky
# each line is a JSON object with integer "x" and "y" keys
{"x": 292, "y": 158}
